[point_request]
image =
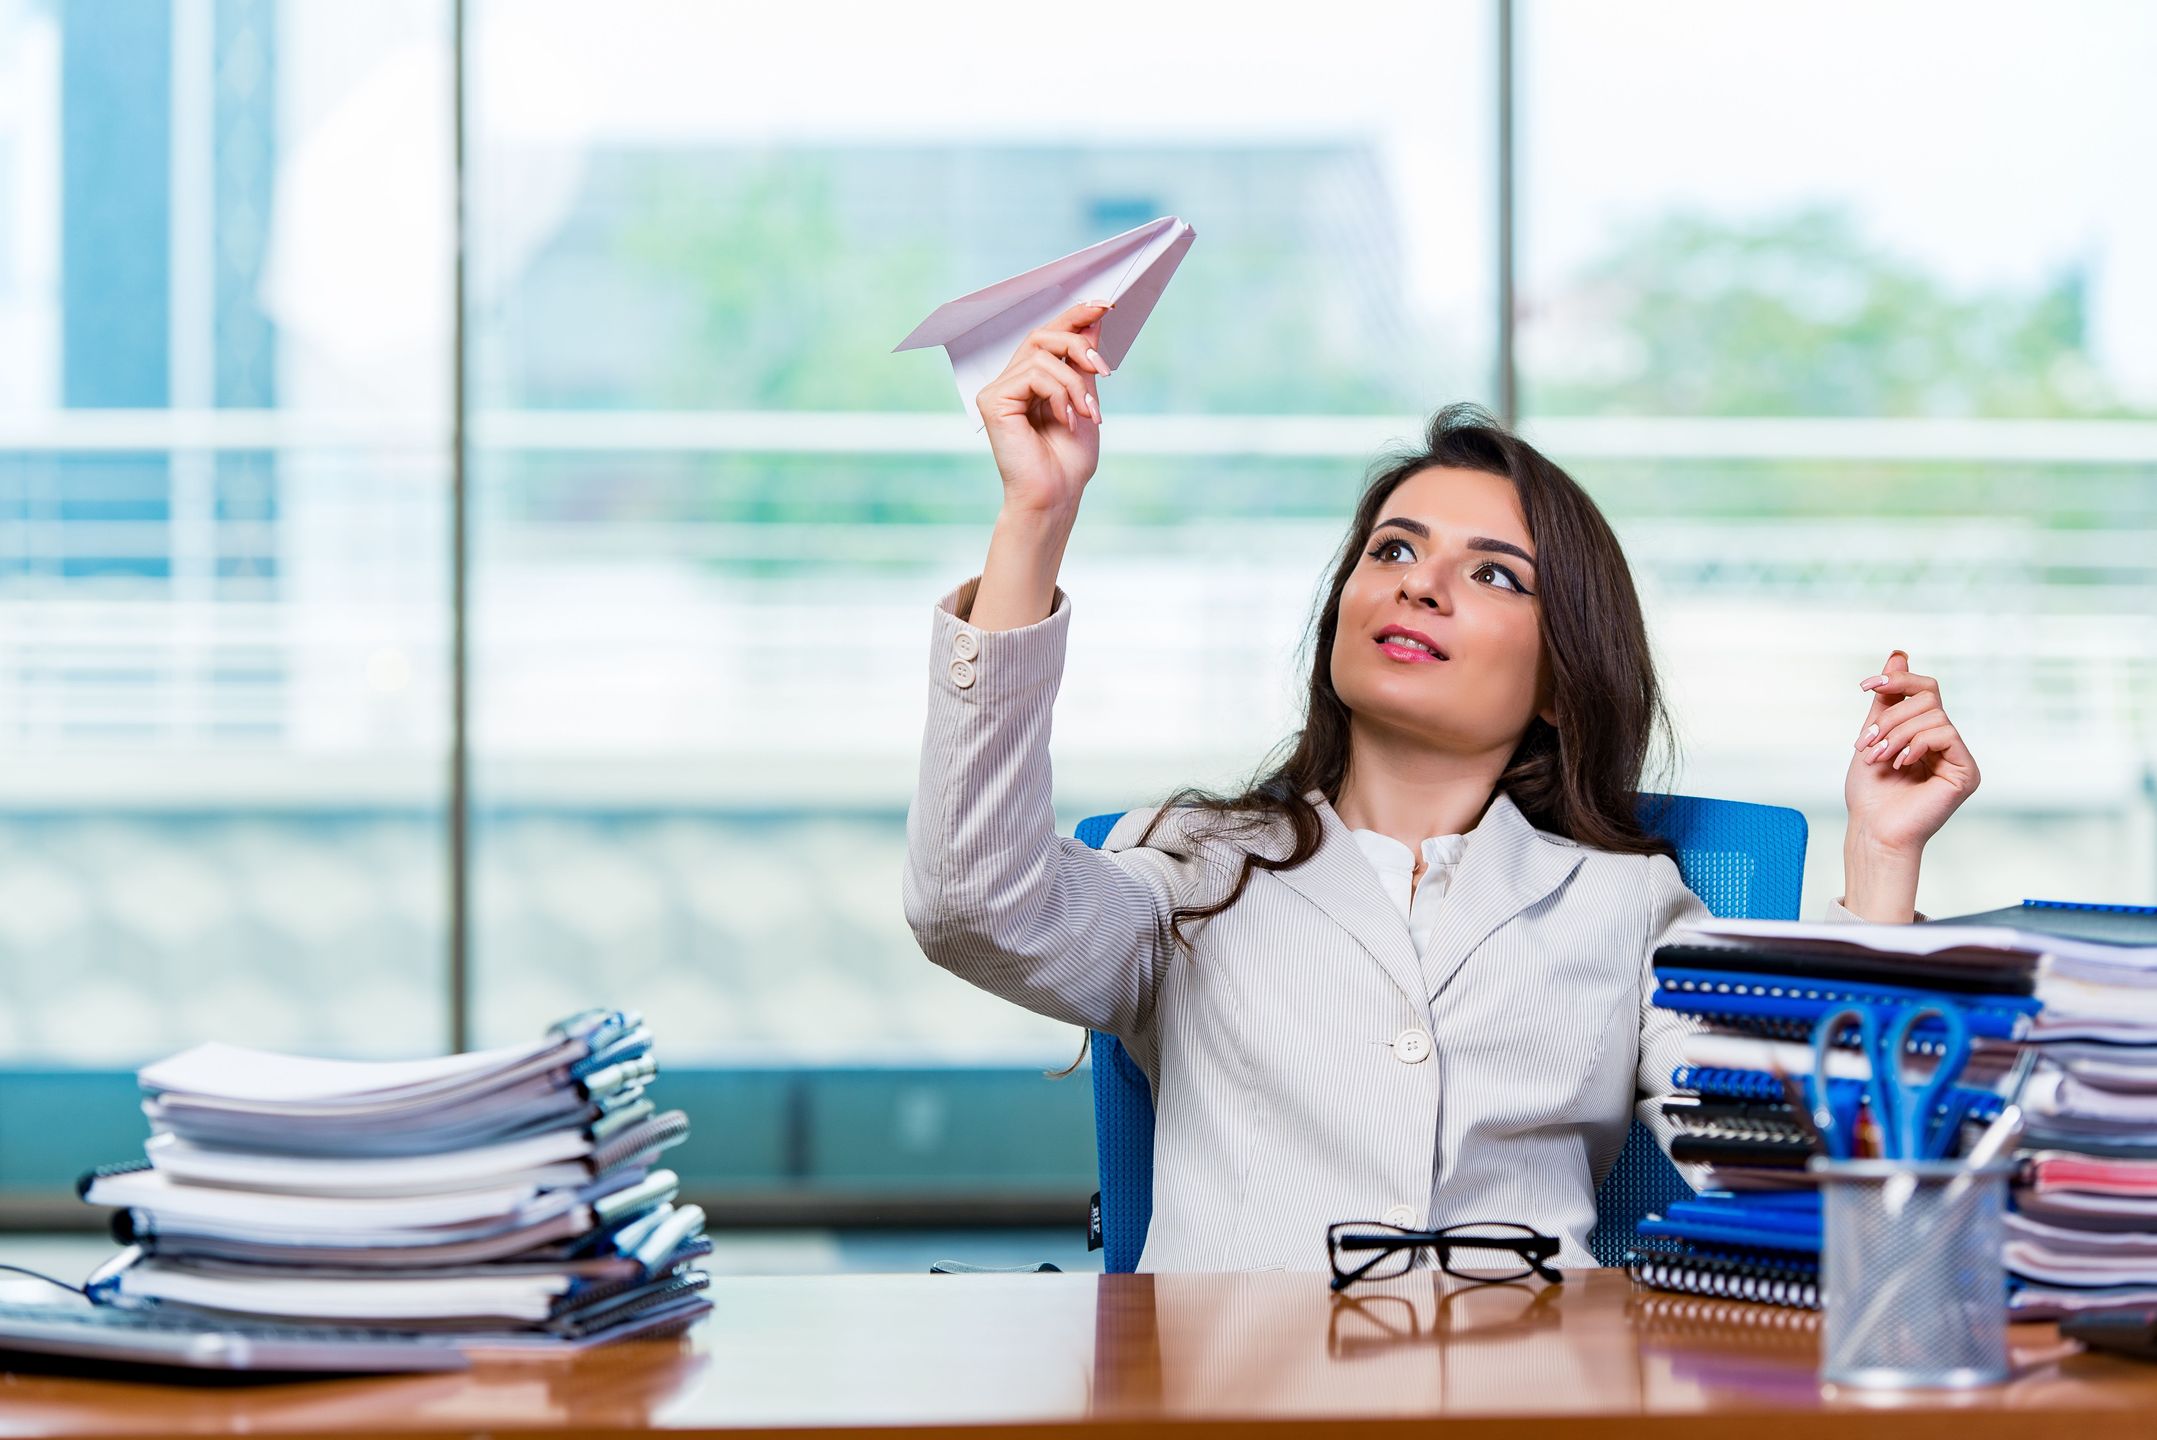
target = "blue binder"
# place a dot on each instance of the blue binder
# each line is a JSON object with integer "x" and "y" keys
{"x": 1721, "y": 994}
{"x": 2075, "y": 919}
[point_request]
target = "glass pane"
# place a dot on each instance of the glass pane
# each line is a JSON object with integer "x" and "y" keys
{"x": 223, "y": 471}
{"x": 1844, "y": 318}
{"x": 715, "y": 511}
{"x": 1749, "y": 210}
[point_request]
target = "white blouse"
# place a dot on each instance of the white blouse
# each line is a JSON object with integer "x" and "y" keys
{"x": 1418, "y": 902}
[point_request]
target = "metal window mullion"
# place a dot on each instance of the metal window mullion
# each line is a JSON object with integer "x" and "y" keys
{"x": 460, "y": 888}
{"x": 1508, "y": 376}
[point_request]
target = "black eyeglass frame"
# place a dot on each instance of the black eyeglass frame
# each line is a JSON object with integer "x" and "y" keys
{"x": 1534, "y": 1248}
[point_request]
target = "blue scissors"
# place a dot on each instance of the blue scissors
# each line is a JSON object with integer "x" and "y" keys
{"x": 1918, "y": 1118}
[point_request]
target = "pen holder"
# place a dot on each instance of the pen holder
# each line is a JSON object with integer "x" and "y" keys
{"x": 1911, "y": 1273}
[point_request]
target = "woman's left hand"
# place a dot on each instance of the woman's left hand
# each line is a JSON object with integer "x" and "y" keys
{"x": 1911, "y": 768}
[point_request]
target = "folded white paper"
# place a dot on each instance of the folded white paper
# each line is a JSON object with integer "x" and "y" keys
{"x": 237, "y": 1077}
{"x": 981, "y": 331}
{"x": 530, "y": 1159}
{"x": 247, "y": 1211}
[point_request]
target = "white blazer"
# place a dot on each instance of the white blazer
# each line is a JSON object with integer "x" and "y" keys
{"x": 1307, "y": 1067}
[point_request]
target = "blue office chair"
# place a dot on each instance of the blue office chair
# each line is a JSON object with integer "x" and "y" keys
{"x": 1744, "y": 861}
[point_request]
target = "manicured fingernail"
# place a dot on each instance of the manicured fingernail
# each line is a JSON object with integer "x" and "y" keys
{"x": 1870, "y": 731}
{"x": 1070, "y": 417}
{"x": 1101, "y": 304}
{"x": 1093, "y": 407}
{"x": 1093, "y": 358}
{"x": 1873, "y": 684}
{"x": 1901, "y": 756}
{"x": 1880, "y": 751}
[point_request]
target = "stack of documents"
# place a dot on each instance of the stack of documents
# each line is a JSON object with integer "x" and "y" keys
{"x": 2083, "y": 1233}
{"x": 1755, "y": 990}
{"x": 508, "y": 1197}
{"x": 2076, "y": 983}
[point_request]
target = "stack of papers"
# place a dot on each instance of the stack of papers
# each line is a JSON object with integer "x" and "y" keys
{"x": 1755, "y": 990}
{"x": 2079, "y": 984}
{"x": 511, "y": 1198}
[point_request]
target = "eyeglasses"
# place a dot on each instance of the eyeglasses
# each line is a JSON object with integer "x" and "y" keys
{"x": 1485, "y": 1252}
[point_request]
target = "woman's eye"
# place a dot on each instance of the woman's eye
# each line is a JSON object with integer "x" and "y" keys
{"x": 1492, "y": 567}
{"x": 1384, "y": 551}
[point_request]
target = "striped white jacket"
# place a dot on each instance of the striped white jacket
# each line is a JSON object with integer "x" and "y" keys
{"x": 1307, "y": 1066}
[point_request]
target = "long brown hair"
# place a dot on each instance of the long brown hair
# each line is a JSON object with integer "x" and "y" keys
{"x": 1579, "y": 778}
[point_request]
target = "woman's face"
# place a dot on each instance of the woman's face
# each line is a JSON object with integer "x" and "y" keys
{"x": 1449, "y": 559}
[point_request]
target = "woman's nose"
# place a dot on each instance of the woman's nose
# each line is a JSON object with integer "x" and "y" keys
{"x": 1425, "y": 585}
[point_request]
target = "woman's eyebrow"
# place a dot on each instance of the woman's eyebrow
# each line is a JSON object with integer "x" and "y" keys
{"x": 1503, "y": 547}
{"x": 1475, "y": 542}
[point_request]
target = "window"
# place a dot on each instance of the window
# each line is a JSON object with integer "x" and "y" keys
{"x": 714, "y": 510}
{"x": 223, "y": 540}
{"x": 1843, "y": 316}
{"x": 1847, "y": 372}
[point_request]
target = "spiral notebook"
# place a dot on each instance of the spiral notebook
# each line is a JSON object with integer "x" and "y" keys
{"x": 1723, "y": 1278}
{"x": 1735, "y": 1082}
{"x": 2132, "y": 925}
{"x": 1762, "y": 1226}
{"x": 1850, "y": 967}
{"x": 1779, "y": 1004}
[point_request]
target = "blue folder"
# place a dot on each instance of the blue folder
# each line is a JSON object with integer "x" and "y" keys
{"x": 1741, "y": 995}
{"x": 1774, "y": 1220}
{"x": 1716, "y": 1082}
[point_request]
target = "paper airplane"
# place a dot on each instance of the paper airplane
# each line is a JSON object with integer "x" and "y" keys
{"x": 982, "y": 330}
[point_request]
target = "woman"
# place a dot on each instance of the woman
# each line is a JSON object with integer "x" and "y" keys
{"x": 1406, "y": 975}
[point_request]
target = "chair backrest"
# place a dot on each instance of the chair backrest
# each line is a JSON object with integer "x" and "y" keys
{"x": 1743, "y": 861}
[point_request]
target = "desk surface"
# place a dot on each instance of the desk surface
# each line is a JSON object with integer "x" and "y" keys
{"x": 1208, "y": 1354}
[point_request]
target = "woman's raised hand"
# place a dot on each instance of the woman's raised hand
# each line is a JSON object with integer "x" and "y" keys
{"x": 1043, "y": 414}
{"x": 1911, "y": 769}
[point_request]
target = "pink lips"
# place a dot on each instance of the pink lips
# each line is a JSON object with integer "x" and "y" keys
{"x": 1408, "y": 654}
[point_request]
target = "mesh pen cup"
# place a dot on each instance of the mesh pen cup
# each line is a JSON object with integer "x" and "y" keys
{"x": 1911, "y": 1273}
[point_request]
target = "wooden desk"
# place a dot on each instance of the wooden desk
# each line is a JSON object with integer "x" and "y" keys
{"x": 1207, "y": 1355}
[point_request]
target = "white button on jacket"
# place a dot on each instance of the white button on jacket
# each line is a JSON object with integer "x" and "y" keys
{"x": 1282, "y": 1102}
{"x": 1402, "y": 1216}
{"x": 966, "y": 645}
{"x": 962, "y": 674}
